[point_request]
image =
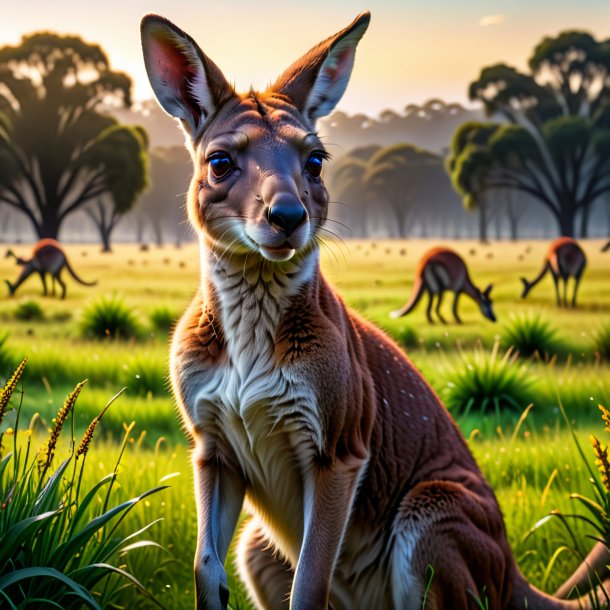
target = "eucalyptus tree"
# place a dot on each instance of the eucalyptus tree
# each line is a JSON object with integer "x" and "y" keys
{"x": 59, "y": 151}
{"x": 554, "y": 142}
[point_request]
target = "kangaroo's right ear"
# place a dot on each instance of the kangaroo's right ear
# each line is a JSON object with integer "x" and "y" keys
{"x": 316, "y": 82}
{"x": 188, "y": 85}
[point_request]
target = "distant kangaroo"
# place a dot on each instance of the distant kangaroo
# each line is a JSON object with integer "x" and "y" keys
{"x": 47, "y": 257}
{"x": 358, "y": 478}
{"x": 564, "y": 259}
{"x": 442, "y": 269}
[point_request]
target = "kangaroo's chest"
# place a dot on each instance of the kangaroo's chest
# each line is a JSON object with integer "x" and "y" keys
{"x": 263, "y": 414}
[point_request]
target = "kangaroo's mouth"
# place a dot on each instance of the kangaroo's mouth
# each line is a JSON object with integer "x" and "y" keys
{"x": 280, "y": 253}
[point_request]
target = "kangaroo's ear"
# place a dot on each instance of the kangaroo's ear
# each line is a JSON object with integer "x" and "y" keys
{"x": 488, "y": 290}
{"x": 188, "y": 85}
{"x": 316, "y": 82}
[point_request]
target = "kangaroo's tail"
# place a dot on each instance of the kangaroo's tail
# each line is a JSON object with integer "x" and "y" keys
{"x": 416, "y": 294}
{"x": 78, "y": 279}
{"x": 588, "y": 587}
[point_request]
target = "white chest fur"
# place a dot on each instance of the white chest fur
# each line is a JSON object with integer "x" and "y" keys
{"x": 265, "y": 415}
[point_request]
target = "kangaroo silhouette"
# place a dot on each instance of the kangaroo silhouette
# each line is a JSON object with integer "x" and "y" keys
{"x": 47, "y": 257}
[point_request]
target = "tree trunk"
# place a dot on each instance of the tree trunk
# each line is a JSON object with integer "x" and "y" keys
{"x": 105, "y": 235}
{"x": 482, "y": 222}
{"x": 566, "y": 223}
{"x": 584, "y": 220}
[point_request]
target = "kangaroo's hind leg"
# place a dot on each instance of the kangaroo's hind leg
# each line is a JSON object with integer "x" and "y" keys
{"x": 450, "y": 550}
{"x": 61, "y": 283}
{"x": 268, "y": 578}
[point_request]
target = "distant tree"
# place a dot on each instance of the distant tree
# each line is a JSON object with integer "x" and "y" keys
{"x": 555, "y": 145}
{"x": 406, "y": 176}
{"x": 125, "y": 158}
{"x": 57, "y": 150}
{"x": 349, "y": 199}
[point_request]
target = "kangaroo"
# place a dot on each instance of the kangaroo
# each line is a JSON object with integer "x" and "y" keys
{"x": 564, "y": 259}
{"x": 442, "y": 269}
{"x": 357, "y": 476}
{"x": 47, "y": 257}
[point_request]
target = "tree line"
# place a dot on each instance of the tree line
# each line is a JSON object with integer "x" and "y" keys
{"x": 539, "y": 149}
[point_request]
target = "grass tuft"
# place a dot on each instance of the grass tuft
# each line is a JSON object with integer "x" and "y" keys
{"x": 109, "y": 318}
{"x": 60, "y": 542}
{"x": 531, "y": 335}
{"x": 484, "y": 382}
{"x": 29, "y": 311}
{"x": 163, "y": 318}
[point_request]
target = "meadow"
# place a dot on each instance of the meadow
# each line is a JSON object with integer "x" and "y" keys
{"x": 487, "y": 380}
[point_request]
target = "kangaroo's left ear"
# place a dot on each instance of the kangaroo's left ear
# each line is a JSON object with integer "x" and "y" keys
{"x": 316, "y": 82}
{"x": 487, "y": 290}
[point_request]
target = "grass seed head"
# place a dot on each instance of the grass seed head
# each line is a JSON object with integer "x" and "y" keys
{"x": 61, "y": 418}
{"x": 605, "y": 416}
{"x": 601, "y": 461}
{"x": 9, "y": 388}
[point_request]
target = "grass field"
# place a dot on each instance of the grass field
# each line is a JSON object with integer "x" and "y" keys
{"x": 532, "y": 471}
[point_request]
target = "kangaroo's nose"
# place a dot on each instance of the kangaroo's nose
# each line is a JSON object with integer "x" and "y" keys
{"x": 287, "y": 216}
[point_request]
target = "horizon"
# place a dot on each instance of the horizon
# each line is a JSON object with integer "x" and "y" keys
{"x": 436, "y": 50}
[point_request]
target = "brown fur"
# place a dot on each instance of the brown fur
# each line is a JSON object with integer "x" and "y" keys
{"x": 47, "y": 257}
{"x": 439, "y": 270}
{"x": 357, "y": 477}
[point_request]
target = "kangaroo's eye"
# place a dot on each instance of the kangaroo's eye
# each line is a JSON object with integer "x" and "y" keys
{"x": 313, "y": 166}
{"x": 221, "y": 164}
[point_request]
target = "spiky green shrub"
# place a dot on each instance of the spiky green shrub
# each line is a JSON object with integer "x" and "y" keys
{"x": 530, "y": 335}
{"x": 601, "y": 341}
{"x": 485, "y": 381}
{"x": 59, "y": 540}
{"x": 146, "y": 375}
{"x": 406, "y": 337}
{"x": 109, "y": 317}
{"x": 29, "y": 311}
{"x": 163, "y": 318}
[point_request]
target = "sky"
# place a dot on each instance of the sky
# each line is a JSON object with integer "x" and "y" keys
{"x": 414, "y": 50}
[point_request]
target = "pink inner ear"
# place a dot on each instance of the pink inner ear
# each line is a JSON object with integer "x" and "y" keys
{"x": 169, "y": 62}
{"x": 343, "y": 60}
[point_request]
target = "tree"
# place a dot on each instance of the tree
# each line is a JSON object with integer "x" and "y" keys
{"x": 554, "y": 145}
{"x": 58, "y": 151}
{"x": 123, "y": 152}
{"x": 407, "y": 177}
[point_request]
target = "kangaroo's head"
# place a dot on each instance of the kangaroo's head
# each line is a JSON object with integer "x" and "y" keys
{"x": 486, "y": 304}
{"x": 526, "y": 287}
{"x": 257, "y": 185}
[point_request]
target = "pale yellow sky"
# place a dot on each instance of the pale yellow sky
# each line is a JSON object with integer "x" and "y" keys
{"x": 414, "y": 49}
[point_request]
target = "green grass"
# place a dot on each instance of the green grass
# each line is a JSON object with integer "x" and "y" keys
{"x": 156, "y": 284}
{"x": 531, "y": 335}
{"x": 109, "y": 318}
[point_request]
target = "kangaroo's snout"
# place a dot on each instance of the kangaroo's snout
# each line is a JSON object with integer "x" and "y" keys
{"x": 287, "y": 215}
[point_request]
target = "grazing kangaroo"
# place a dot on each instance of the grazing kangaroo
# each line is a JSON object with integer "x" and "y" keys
{"x": 47, "y": 257}
{"x": 564, "y": 259}
{"x": 442, "y": 269}
{"x": 357, "y": 476}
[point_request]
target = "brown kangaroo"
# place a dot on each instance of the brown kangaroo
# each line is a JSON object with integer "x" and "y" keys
{"x": 47, "y": 257}
{"x": 442, "y": 269}
{"x": 357, "y": 477}
{"x": 564, "y": 259}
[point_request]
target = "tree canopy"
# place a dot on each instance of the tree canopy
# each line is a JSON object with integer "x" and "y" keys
{"x": 58, "y": 150}
{"x": 555, "y": 135}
